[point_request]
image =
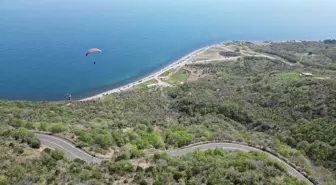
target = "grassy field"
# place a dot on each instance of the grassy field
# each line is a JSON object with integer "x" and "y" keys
{"x": 289, "y": 75}
{"x": 167, "y": 73}
{"x": 144, "y": 84}
{"x": 180, "y": 76}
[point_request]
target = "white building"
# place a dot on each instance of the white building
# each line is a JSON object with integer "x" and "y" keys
{"x": 306, "y": 74}
{"x": 152, "y": 85}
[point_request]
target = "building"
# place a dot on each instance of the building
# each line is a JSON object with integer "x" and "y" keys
{"x": 152, "y": 85}
{"x": 306, "y": 74}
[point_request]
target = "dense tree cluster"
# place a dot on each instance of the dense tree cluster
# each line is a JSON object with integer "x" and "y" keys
{"x": 229, "y": 54}
{"x": 330, "y": 41}
{"x": 22, "y": 165}
{"x": 23, "y": 135}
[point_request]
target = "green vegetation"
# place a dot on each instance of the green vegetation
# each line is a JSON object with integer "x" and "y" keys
{"x": 167, "y": 73}
{"x": 24, "y": 136}
{"x": 144, "y": 84}
{"x": 330, "y": 41}
{"x": 142, "y": 137}
{"x": 178, "y": 77}
{"x": 22, "y": 165}
{"x": 230, "y": 53}
{"x": 320, "y": 55}
{"x": 148, "y": 138}
{"x": 178, "y": 138}
{"x": 289, "y": 75}
{"x": 253, "y": 100}
{"x": 57, "y": 128}
{"x": 229, "y": 168}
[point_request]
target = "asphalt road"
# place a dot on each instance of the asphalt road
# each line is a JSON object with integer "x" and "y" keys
{"x": 231, "y": 146}
{"x": 72, "y": 151}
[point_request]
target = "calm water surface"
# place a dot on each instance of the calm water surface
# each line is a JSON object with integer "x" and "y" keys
{"x": 42, "y": 42}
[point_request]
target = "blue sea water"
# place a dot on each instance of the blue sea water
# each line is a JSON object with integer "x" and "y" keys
{"x": 42, "y": 42}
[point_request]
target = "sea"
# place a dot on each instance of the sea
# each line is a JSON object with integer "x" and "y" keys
{"x": 43, "y": 42}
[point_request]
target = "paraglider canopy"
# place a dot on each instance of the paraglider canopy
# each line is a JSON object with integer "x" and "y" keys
{"x": 92, "y": 50}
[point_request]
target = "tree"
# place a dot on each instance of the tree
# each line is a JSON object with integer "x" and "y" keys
{"x": 123, "y": 166}
{"x": 57, "y": 154}
{"x": 35, "y": 143}
{"x": 143, "y": 182}
{"x": 148, "y": 139}
{"x": 103, "y": 140}
{"x": 57, "y": 128}
{"x": 17, "y": 123}
{"x": 320, "y": 150}
{"x": 30, "y": 125}
{"x": 44, "y": 126}
{"x": 26, "y": 136}
{"x": 178, "y": 138}
{"x": 330, "y": 41}
{"x": 303, "y": 145}
{"x": 3, "y": 180}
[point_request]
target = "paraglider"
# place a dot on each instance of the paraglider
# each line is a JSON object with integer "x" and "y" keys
{"x": 92, "y": 50}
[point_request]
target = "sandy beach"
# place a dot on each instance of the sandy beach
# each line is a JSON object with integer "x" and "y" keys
{"x": 179, "y": 63}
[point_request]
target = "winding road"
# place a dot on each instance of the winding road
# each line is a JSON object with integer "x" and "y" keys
{"x": 72, "y": 151}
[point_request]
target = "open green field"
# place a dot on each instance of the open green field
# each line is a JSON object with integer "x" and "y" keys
{"x": 167, "y": 73}
{"x": 180, "y": 76}
{"x": 289, "y": 75}
{"x": 144, "y": 84}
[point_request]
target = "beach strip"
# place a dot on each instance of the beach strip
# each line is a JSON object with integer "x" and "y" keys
{"x": 179, "y": 63}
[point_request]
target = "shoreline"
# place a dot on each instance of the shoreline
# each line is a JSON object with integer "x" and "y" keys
{"x": 176, "y": 64}
{"x": 127, "y": 84}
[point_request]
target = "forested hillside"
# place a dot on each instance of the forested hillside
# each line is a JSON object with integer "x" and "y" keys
{"x": 23, "y": 165}
{"x": 265, "y": 101}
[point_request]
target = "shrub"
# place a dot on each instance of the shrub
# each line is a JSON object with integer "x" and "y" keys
{"x": 104, "y": 140}
{"x": 57, "y": 155}
{"x": 30, "y": 125}
{"x": 178, "y": 138}
{"x": 143, "y": 182}
{"x": 124, "y": 166}
{"x": 35, "y": 143}
{"x": 17, "y": 123}
{"x": 85, "y": 174}
{"x": 3, "y": 180}
{"x": 26, "y": 136}
{"x": 57, "y": 128}
{"x": 44, "y": 126}
{"x": 149, "y": 139}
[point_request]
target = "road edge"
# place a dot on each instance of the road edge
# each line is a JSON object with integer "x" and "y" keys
{"x": 263, "y": 149}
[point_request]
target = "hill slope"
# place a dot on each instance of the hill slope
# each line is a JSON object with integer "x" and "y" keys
{"x": 259, "y": 98}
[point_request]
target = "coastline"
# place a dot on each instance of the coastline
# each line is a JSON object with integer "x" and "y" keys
{"x": 176, "y": 64}
{"x": 150, "y": 74}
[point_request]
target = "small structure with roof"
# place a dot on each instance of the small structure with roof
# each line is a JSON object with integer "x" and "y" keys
{"x": 163, "y": 77}
{"x": 306, "y": 74}
{"x": 152, "y": 85}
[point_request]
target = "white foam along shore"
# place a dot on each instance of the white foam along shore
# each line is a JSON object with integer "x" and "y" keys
{"x": 179, "y": 63}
